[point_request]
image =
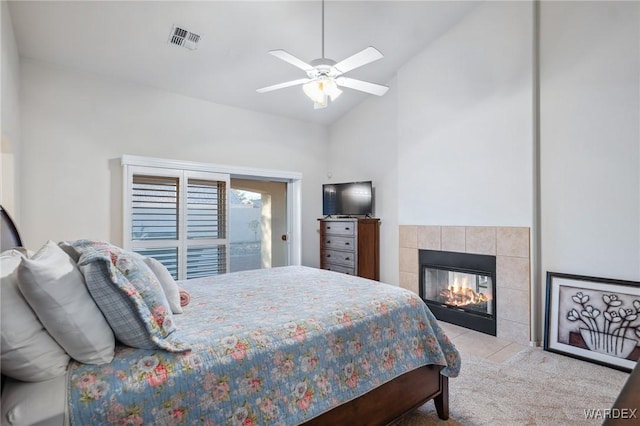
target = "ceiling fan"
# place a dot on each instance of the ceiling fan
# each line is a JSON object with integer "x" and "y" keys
{"x": 325, "y": 76}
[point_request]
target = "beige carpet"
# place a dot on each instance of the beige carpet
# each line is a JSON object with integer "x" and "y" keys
{"x": 534, "y": 387}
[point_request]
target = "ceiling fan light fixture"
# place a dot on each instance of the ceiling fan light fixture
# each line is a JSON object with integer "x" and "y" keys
{"x": 331, "y": 89}
{"x": 319, "y": 106}
{"x": 313, "y": 90}
{"x": 319, "y": 89}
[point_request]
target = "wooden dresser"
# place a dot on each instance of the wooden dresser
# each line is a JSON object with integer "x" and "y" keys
{"x": 351, "y": 246}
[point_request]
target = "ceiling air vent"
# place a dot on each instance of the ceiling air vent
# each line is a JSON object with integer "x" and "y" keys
{"x": 181, "y": 37}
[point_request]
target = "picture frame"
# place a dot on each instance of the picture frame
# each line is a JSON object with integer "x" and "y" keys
{"x": 593, "y": 319}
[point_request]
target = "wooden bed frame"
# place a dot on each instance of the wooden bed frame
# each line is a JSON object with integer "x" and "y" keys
{"x": 385, "y": 405}
{"x": 625, "y": 410}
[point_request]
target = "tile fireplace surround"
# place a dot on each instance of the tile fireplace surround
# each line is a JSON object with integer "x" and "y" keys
{"x": 510, "y": 245}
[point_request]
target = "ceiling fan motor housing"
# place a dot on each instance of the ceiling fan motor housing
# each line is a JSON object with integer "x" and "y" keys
{"x": 323, "y": 67}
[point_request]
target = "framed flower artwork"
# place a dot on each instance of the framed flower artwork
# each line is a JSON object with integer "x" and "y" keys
{"x": 594, "y": 319}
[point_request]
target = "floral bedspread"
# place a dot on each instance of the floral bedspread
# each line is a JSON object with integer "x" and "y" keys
{"x": 276, "y": 346}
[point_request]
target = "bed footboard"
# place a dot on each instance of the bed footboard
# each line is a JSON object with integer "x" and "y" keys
{"x": 386, "y": 404}
{"x": 625, "y": 409}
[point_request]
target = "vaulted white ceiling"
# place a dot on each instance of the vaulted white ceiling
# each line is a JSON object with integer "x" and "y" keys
{"x": 129, "y": 40}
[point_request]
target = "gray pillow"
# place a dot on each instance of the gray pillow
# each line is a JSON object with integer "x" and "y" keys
{"x": 68, "y": 248}
{"x": 167, "y": 282}
{"x": 28, "y": 352}
{"x": 54, "y": 287}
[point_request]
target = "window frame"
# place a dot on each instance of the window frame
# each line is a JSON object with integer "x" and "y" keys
{"x": 182, "y": 242}
{"x": 292, "y": 178}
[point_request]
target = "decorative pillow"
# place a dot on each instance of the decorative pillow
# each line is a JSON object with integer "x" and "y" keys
{"x": 54, "y": 287}
{"x": 28, "y": 352}
{"x": 185, "y": 297}
{"x": 167, "y": 282}
{"x": 129, "y": 295}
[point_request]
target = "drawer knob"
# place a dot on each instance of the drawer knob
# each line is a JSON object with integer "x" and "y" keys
{"x": 347, "y": 243}
{"x": 347, "y": 228}
{"x": 329, "y": 242}
{"x": 346, "y": 258}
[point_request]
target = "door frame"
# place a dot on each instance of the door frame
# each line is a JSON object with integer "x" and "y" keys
{"x": 292, "y": 179}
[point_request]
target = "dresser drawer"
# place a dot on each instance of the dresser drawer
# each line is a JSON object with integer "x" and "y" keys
{"x": 339, "y": 228}
{"x": 338, "y": 242}
{"x": 338, "y": 268}
{"x": 345, "y": 258}
{"x": 350, "y": 245}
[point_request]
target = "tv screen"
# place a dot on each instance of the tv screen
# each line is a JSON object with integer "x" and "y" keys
{"x": 347, "y": 199}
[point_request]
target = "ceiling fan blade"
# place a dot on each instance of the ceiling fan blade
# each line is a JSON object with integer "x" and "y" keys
{"x": 359, "y": 59}
{"x": 283, "y": 85}
{"x": 288, "y": 57}
{"x": 363, "y": 86}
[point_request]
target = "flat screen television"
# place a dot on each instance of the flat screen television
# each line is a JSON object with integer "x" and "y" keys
{"x": 347, "y": 199}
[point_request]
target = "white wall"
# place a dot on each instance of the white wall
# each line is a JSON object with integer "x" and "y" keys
{"x": 451, "y": 142}
{"x": 464, "y": 123}
{"x": 363, "y": 147}
{"x": 76, "y": 126}
{"x": 465, "y": 129}
{"x": 10, "y": 118}
{"x": 590, "y": 138}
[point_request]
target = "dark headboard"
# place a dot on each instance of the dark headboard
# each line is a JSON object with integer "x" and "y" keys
{"x": 9, "y": 238}
{"x": 9, "y": 235}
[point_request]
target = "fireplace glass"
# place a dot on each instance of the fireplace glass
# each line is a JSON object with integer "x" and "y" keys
{"x": 468, "y": 291}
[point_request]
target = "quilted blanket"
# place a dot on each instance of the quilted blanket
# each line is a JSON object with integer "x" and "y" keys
{"x": 277, "y": 346}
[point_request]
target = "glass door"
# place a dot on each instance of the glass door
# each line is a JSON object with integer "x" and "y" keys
{"x": 257, "y": 224}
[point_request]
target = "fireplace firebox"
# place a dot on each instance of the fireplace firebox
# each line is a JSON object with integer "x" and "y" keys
{"x": 460, "y": 288}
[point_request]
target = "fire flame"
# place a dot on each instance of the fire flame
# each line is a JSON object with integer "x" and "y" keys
{"x": 460, "y": 296}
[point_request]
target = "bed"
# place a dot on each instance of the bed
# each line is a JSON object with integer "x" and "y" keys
{"x": 290, "y": 345}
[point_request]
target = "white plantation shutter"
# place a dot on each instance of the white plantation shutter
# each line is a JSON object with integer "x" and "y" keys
{"x": 178, "y": 217}
{"x": 154, "y": 207}
{"x": 206, "y": 260}
{"x": 206, "y": 209}
{"x": 206, "y": 227}
{"x": 167, "y": 256}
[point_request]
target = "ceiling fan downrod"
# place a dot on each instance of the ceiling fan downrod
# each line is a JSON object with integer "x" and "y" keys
{"x": 322, "y": 29}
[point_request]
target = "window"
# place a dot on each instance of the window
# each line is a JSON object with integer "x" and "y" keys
{"x": 178, "y": 217}
{"x": 173, "y": 251}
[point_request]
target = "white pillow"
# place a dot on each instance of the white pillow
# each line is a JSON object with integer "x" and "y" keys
{"x": 54, "y": 287}
{"x": 167, "y": 282}
{"x": 42, "y": 403}
{"x": 28, "y": 352}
